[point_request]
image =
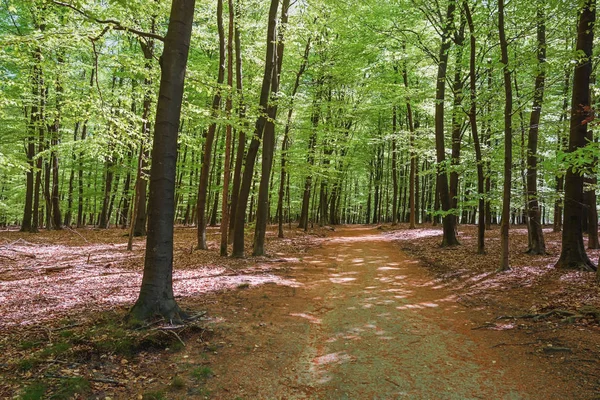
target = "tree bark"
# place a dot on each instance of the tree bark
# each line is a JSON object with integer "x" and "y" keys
{"x": 228, "y": 135}
{"x": 156, "y": 293}
{"x": 536, "y": 233}
{"x": 449, "y": 218}
{"x": 286, "y": 138}
{"x": 238, "y": 232}
{"x": 573, "y": 254}
{"x": 504, "y": 228}
{"x": 262, "y": 212}
{"x": 210, "y": 136}
{"x": 475, "y": 132}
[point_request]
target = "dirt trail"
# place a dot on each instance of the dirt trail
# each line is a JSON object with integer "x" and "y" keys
{"x": 366, "y": 322}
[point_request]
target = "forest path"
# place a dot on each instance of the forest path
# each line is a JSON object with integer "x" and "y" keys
{"x": 366, "y": 322}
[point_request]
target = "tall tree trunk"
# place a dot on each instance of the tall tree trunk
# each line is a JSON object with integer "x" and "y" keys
{"x": 562, "y": 145}
{"x": 504, "y": 261}
{"x": 413, "y": 157}
{"x": 156, "y": 293}
{"x": 241, "y": 147}
{"x": 228, "y": 135}
{"x": 394, "y": 166}
{"x": 286, "y": 138}
{"x": 573, "y": 254}
{"x": 210, "y": 136}
{"x": 536, "y": 233}
{"x": 238, "y": 232}
{"x": 55, "y": 140}
{"x": 69, "y": 213}
{"x": 449, "y": 219}
{"x": 262, "y": 212}
{"x": 457, "y": 115}
{"x": 475, "y": 132}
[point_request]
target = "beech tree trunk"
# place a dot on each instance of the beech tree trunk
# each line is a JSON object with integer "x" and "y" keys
{"x": 449, "y": 218}
{"x": 573, "y": 254}
{"x": 228, "y": 135}
{"x": 262, "y": 211}
{"x": 475, "y": 132}
{"x": 240, "y": 215}
{"x": 241, "y": 147}
{"x": 504, "y": 228}
{"x": 210, "y": 136}
{"x": 536, "y": 233}
{"x": 286, "y": 138}
{"x": 156, "y": 293}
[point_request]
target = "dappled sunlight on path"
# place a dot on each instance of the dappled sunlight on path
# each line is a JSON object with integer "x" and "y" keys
{"x": 386, "y": 329}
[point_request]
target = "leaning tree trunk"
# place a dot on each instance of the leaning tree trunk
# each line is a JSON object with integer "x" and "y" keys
{"x": 449, "y": 219}
{"x": 156, "y": 294}
{"x": 504, "y": 228}
{"x": 573, "y": 254}
{"x": 536, "y": 234}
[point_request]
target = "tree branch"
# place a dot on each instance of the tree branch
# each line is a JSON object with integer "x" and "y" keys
{"x": 116, "y": 25}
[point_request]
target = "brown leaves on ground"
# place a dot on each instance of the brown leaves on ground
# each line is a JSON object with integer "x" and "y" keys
{"x": 64, "y": 295}
{"x": 549, "y": 313}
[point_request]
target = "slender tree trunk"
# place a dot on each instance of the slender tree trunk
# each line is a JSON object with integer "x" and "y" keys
{"x": 55, "y": 140}
{"x": 286, "y": 138}
{"x": 262, "y": 213}
{"x": 536, "y": 233}
{"x": 562, "y": 145}
{"x": 241, "y": 147}
{"x": 504, "y": 261}
{"x": 449, "y": 218}
{"x": 475, "y": 132}
{"x": 238, "y": 232}
{"x": 457, "y": 115}
{"x": 394, "y": 166}
{"x": 210, "y": 136}
{"x": 413, "y": 157}
{"x": 228, "y": 135}
{"x": 156, "y": 293}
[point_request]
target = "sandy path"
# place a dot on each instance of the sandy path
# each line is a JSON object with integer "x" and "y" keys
{"x": 365, "y": 323}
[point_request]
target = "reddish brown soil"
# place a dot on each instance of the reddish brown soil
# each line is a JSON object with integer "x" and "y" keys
{"x": 349, "y": 316}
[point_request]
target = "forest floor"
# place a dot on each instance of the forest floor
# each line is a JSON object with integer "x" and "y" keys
{"x": 355, "y": 313}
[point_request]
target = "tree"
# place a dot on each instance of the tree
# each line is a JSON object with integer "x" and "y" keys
{"x": 156, "y": 293}
{"x": 246, "y": 183}
{"x": 537, "y": 245}
{"x": 573, "y": 254}
{"x": 449, "y": 218}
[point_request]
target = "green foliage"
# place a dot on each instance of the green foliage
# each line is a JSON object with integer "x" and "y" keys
{"x": 69, "y": 387}
{"x": 34, "y": 391}
{"x": 201, "y": 373}
{"x": 154, "y": 395}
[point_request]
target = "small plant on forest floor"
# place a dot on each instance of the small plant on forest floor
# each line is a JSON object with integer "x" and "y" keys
{"x": 56, "y": 349}
{"x": 27, "y": 364}
{"x": 69, "y": 387}
{"x": 29, "y": 344}
{"x": 35, "y": 391}
{"x": 243, "y": 286}
{"x": 202, "y": 373}
{"x": 177, "y": 383}
{"x": 154, "y": 395}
